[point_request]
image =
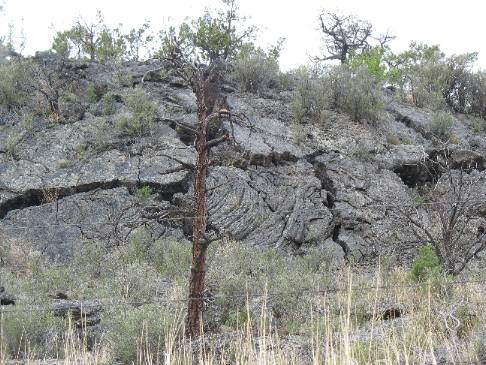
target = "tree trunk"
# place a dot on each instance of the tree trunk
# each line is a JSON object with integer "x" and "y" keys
{"x": 199, "y": 245}
{"x": 344, "y": 55}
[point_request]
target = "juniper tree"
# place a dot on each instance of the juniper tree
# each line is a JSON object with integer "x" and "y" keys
{"x": 199, "y": 52}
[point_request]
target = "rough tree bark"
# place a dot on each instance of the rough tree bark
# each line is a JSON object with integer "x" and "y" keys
{"x": 206, "y": 87}
{"x": 199, "y": 246}
{"x": 205, "y": 81}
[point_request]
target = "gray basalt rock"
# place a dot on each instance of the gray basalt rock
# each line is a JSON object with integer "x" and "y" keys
{"x": 270, "y": 207}
{"x": 68, "y": 184}
{"x": 58, "y": 228}
{"x": 363, "y": 197}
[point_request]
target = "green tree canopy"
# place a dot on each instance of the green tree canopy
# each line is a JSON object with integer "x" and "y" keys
{"x": 210, "y": 36}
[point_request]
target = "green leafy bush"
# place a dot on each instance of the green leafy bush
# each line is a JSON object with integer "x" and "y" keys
{"x": 144, "y": 192}
{"x": 441, "y": 125}
{"x": 426, "y": 265}
{"x": 422, "y": 73}
{"x": 459, "y": 89}
{"x": 372, "y": 59}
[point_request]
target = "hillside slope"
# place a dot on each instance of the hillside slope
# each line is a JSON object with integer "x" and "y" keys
{"x": 331, "y": 185}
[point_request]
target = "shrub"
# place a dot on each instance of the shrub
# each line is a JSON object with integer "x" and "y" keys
{"x": 129, "y": 126}
{"x": 213, "y": 35}
{"x": 392, "y": 139}
{"x": 361, "y": 152}
{"x": 93, "y": 93}
{"x": 372, "y": 59}
{"x": 298, "y": 132}
{"x": 143, "y": 112}
{"x": 172, "y": 259}
{"x": 32, "y": 333}
{"x": 109, "y": 104}
{"x": 429, "y": 85}
{"x": 441, "y": 125}
{"x": 285, "y": 81}
{"x": 90, "y": 257}
{"x": 138, "y": 281}
{"x": 478, "y": 125}
{"x": 11, "y": 95}
{"x": 140, "y": 335}
{"x": 69, "y": 97}
{"x": 47, "y": 77}
{"x": 136, "y": 40}
{"x": 94, "y": 40}
{"x": 426, "y": 265}
{"x": 478, "y": 94}
{"x": 27, "y": 122}
{"x": 144, "y": 192}
{"x": 420, "y": 72}
{"x": 12, "y": 141}
{"x": 311, "y": 97}
{"x": 355, "y": 92}
{"x": 19, "y": 258}
{"x": 233, "y": 268}
{"x": 459, "y": 81}
{"x": 256, "y": 70}
{"x": 141, "y": 105}
{"x": 434, "y": 80}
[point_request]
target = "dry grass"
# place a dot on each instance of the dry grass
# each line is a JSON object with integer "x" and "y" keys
{"x": 438, "y": 322}
{"x": 382, "y": 317}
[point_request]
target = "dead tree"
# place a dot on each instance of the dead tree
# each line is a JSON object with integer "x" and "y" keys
{"x": 451, "y": 218}
{"x": 384, "y": 39}
{"x": 343, "y": 35}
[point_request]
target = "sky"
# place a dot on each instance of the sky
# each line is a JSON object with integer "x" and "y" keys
{"x": 458, "y": 26}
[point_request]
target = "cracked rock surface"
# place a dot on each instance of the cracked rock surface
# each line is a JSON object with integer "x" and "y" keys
{"x": 65, "y": 185}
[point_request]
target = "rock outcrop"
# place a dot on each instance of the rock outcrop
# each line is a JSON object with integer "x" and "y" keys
{"x": 63, "y": 185}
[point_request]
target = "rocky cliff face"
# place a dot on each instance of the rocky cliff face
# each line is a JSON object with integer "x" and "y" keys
{"x": 331, "y": 185}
